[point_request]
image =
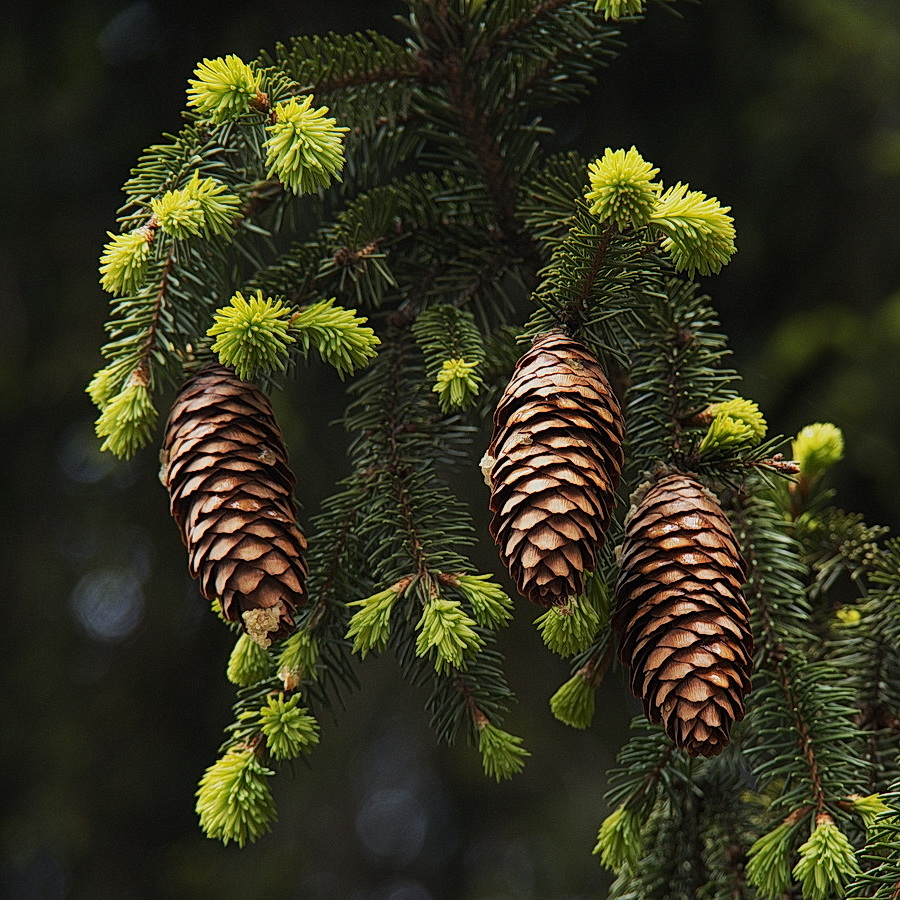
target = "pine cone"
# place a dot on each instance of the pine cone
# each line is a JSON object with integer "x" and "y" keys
{"x": 681, "y": 614}
{"x": 225, "y": 465}
{"x": 556, "y": 456}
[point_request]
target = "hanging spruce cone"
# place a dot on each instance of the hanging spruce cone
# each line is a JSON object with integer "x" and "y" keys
{"x": 225, "y": 465}
{"x": 556, "y": 458}
{"x": 681, "y": 614}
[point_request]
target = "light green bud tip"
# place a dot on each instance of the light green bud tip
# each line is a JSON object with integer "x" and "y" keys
{"x": 223, "y": 88}
{"x": 342, "y": 338}
{"x": 502, "y": 755}
{"x": 569, "y": 629}
{"x": 252, "y": 334}
{"x": 127, "y": 419}
{"x": 617, "y": 9}
{"x": 490, "y": 604}
{"x": 446, "y": 629}
{"x": 304, "y": 149}
{"x": 768, "y": 866}
{"x": 234, "y": 801}
{"x": 573, "y": 704}
{"x": 123, "y": 263}
{"x": 827, "y": 861}
{"x": 816, "y": 448}
{"x": 287, "y": 727}
{"x": 736, "y": 423}
{"x": 622, "y": 188}
{"x": 297, "y": 659}
{"x": 248, "y": 662}
{"x": 457, "y": 384}
{"x": 371, "y": 625}
{"x": 619, "y": 841}
{"x": 202, "y": 206}
{"x": 869, "y": 808}
{"x": 699, "y": 235}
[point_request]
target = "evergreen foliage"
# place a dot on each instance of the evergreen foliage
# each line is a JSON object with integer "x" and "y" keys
{"x": 415, "y": 238}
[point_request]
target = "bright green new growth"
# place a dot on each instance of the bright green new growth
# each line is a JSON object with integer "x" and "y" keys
{"x": 869, "y": 808}
{"x": 736, "y": 423}
{"x": 827, "y": 861}
{"x": 123, "y": 263}
{"x": 817, "y": 448}
{"x": 248, "y": 662}
{"x": 699, "y": 232}
{"x": 297, "y": 659}
{"x": 622, "y": 187}
{"x": 619, "y": 844}
{"x": 490, "y": 604}
{"x": 371, "y": 626}
{"x": 220, "y": 207}
{"x": 574, "y": 702}
{"x": 341, "y": 337}
{"x": 304, "y": 149}
{"x": 252, "y": 335}
{"x": 179, "y": 213}
{"x": 223, "y": 88}
{"x": 106, "y": 384}
{"x": 502, "y": 755}
{"x": 569, "y": 629}
{"x": 457, "y": 384}
{"x": 769, "y": 861}
{"x": 288, "y": 728}
{"x": 447, "y": 629}
{"x": 202, "y": 206}
{"x": 616, "y": 9}
{"x": 127, "y": 420}
{"x": 234, "y": 801}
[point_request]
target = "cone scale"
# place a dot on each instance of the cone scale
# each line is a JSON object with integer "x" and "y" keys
{"x": 681, "y": 614}
{"x": 556, "y": 459}
{"x": 226, "y": 468}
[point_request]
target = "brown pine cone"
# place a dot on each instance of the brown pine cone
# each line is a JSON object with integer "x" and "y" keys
{"x": 556, "y": 459}
{"x": 225, "y": 466}
{"x": 681, "y": 614}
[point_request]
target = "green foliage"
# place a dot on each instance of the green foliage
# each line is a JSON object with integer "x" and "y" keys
{"x": 817, "y": 448}
{"x": 287, "y": 727}
{"x": 248, "y": 662}
{"x": 304, "y": 149}
{"x": 622, "y": 188}
{"x": 251, "y": 334}
{"x": 339, "y": 335}
{"x": 619, "y": 843}
{"x": 826, "y": 861}
{"x": 447, "y": 630}
{"x": 501, "y": 752}
{"x": 736, "y": 423}
{"x": 223, "y": 88}
{"x": 127, "y": 419}
{"x": 123, "y": 263}
{"x": 491, "y": 606}
{"x": 574, "y": 701}
{"x": 371, "y": 626}
{"x": 571, "y": 628}
{"x": 234, "y": 800}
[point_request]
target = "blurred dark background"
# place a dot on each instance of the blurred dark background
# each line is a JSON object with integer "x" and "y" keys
{"x": 113, "y": 690}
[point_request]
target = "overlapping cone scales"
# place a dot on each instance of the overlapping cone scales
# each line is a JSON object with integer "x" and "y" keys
{"x": 681, "y": 614}
{"x": 225, "y": 465}
{"x": 557, "y": 450}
